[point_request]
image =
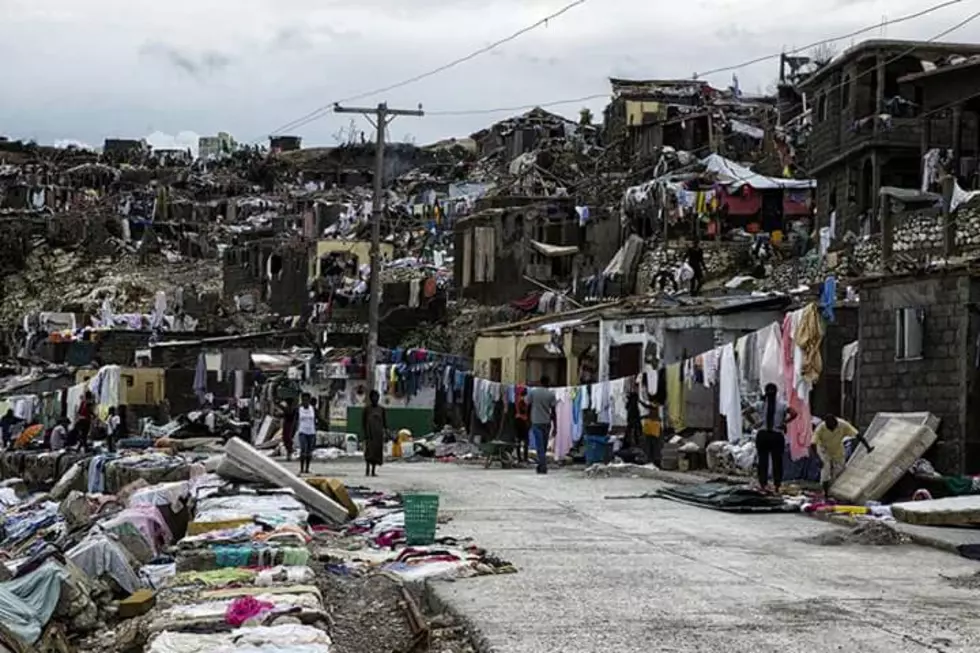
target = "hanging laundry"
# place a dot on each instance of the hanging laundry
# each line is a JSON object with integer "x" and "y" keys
{"x": 828, "y": 297}
{"x": 414, "y": 290}
{"x": 770, "y": 345}
{"x": 563, "y": 423}
{"x": 808, "y": 337}
{"x": 675, "y": 397}
{"x": 729, "y": 398}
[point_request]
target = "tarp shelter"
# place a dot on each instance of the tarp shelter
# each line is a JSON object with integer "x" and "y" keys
{"x": 735, "y": 175}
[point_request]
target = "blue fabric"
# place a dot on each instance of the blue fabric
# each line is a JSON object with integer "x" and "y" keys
{"x": 96, "y": 475}
{"x": 804, "y": 469}
{"x": 539, "y": 433}
{"x": 307, "y": 442}
{"x": 232, "y": 556}
{"x": 828, "y": 296}
{"x": 577, "y": 427}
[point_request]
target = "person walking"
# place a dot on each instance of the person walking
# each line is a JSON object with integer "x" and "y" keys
{"x": 543, "y": 404}
{"x": 306, "y": 430}
{"x": 289, "y": 417}
{"x": 375, "y": 428}
{"x": 522, "y": 424}
{"x": 828, "y": 440}
{"x": 770, "y": 440}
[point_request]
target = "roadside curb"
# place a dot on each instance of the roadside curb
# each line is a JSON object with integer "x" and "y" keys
{"x": 436, "y": 602}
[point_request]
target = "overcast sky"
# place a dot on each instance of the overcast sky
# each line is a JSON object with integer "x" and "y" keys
{"x": 89, "y": 69}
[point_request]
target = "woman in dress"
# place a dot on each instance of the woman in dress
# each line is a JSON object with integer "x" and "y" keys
{"x": 375, "y": 427}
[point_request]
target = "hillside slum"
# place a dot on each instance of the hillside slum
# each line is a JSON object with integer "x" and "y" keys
{"x": 162, "y": 316}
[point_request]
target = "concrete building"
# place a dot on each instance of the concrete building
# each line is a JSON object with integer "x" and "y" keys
{"x": 285, "y": 143}
{"x": 866, "y": 133}
{"x": 271, "y": 271}
{"x": 949, "y": 117}
{"x": 918, "y": 347}
{"x": 210, "y": 147}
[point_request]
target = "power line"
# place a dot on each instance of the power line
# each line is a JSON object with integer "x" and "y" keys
{"x": 326, "y": 108}
{"x": 863, "y": 30}
{"x": 744, "y": 64}
{"x": 523, "y": 107}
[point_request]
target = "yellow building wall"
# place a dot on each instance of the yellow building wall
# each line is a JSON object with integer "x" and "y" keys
{"x": 142, "y": 386}
{"x": 635, "y": 110}
{"x": 510, "y": 349}
{"x": 359, "y": 248}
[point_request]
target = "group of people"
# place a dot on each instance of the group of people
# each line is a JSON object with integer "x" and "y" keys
{"x": 301, "y": 422}
{"x": 66, "y": 434}
{"x": 535, "y": 418}
{"x": 770, "y": 441}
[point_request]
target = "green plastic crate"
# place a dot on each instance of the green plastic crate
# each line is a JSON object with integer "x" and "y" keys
{"x": 421, "y": 513}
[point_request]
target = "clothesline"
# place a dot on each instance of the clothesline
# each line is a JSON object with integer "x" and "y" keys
{"x": 786, "y": 354}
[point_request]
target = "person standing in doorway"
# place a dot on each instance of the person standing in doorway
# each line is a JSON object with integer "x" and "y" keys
{"x": 306, "y": 430}
{"x": 375, "y": 428}
{"x": 770, "y": 441}
{"x": 543, "y": 404}
{"x": 522, "y": 424}
{"x": 695, "y": 258}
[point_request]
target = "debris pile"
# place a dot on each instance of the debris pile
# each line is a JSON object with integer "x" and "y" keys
{"x": 155, "y": 551}
{"x": 868, "y": 533}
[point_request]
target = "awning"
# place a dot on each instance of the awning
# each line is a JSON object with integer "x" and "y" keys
{"x": 554, "y": 250}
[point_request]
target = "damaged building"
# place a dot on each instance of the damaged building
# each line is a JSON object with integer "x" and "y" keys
{"x": 867, "y": 131}
{"x": 511, "y": 243}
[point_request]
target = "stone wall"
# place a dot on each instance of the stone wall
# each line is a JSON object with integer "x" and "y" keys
{"x": 721, "y": 259}
{"x": 934, "y": 383}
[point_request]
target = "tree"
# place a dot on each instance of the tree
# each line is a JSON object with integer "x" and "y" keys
{"x": 585, "y": 117}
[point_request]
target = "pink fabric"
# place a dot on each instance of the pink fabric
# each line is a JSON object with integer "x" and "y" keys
{"x": 244, "y": 608}
{"x": 800, "y": 430}
{"x": 563, "y": 428}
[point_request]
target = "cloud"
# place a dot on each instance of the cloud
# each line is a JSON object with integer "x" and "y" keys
{"x": 249, "y": 66}
{"x": 200, "y": 64}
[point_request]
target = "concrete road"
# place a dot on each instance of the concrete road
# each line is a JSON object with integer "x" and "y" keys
{"x": 616, "y": 576}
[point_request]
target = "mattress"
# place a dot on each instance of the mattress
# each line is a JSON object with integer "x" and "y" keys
{"x": 951, "y": 511}
{"x": 898, "y": 440}
{"x": 245, "y": 457}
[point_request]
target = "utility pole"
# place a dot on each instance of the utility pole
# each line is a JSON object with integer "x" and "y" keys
{"x": 382, "y": 118}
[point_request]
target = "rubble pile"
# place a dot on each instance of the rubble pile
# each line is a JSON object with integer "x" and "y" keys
{"x": 870, "y": 533}
{"x": 136, "y": 551}
{"x": 58, "y": 279}
{"x": 721, "y": 259}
